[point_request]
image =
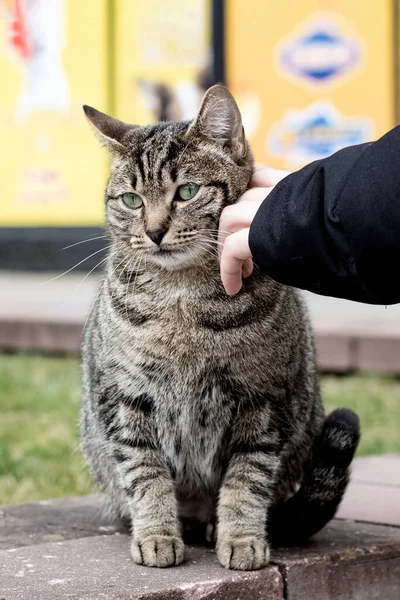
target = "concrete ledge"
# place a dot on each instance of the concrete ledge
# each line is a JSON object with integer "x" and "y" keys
{"x": 68, "y": 549}
{"x": 101, "y": 567}
{"x": 347, "y": 561}
{"x": 54, "y": 521}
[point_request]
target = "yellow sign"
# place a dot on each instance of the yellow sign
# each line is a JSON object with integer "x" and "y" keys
{"x": 310, "y": 77}
{"x": 163, "y": 59}
{"x": 53, "y": 58}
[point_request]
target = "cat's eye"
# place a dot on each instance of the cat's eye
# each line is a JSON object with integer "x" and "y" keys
{"x": 187, "y": 191}
{"x": 132, "y": 200}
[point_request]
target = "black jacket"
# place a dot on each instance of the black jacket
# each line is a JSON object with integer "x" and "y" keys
{"x": 334, "y": 226}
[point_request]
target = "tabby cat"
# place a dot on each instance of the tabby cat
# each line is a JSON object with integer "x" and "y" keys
{"x": 201, "y": 412}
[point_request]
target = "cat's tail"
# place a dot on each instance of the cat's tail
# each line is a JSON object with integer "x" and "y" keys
{"x": 325, "y": 481}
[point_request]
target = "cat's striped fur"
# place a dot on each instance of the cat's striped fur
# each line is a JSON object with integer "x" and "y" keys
{"x": 198, "y": 406}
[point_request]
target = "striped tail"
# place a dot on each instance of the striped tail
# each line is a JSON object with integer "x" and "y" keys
{"x": 325, "y": 482}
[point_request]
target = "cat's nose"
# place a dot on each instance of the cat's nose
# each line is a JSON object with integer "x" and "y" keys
{"x": 156, "y": 235}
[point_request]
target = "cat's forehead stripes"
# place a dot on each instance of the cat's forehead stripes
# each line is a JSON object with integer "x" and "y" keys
{"x": 169, "y": 160}
{"x": 156, "y": 153}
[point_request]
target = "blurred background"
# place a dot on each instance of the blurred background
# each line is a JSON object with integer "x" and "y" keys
{"x": 310, "y": 77}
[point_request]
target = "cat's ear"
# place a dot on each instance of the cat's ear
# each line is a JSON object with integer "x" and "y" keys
{"x": 110, "y": 131}
{"x": 219, "y": 120}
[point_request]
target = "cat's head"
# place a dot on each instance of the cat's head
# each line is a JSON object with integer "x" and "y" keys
{"x": 170, "y": 182}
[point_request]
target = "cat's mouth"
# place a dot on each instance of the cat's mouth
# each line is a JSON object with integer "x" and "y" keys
{"x": 173, "y": 256}
{"x": 169, "y": 249}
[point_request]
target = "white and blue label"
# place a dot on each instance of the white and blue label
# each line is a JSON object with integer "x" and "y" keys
{"x": 319, "y": 52}
{"x": 317, "y": 131}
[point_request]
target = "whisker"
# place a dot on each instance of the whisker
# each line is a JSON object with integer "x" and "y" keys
{"x": 208, "y": 244}
{"x": 77, "y": 264}
{"x": 94, "y": 302}
{"x": 92, "y": 306}
{"x": 212, "y": 243}
{"x": 91, "y": 271}
{"x": 216, "y": 234}
{"x": 126, "y": 266}
{"x": 129, "y": 281}
{"x": 99, "y": 237}
{"x": 135, "y": 267}
{"x": 215, "y": 231}
{"x": 208, "y": 251}
{"x": 209, "y": 241}
{"x": 196, "y": 255}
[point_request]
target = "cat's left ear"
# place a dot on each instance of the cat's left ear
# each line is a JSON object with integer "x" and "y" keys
{"x": 110, "y": 131}
{"x": 219, "y": 120}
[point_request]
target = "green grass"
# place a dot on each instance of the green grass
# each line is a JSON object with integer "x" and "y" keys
{"x": 39, "y": 403}
{"x": 376, "y": 400}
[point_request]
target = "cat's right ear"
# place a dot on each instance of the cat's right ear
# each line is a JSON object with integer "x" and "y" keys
{"x": 219, "y": 120}
{"x": 109, "y": 131}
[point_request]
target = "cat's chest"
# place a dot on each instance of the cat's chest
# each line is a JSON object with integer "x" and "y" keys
{"x": 192, "y": 434}
{"x": 192, "y": 306}
{"x": 188, "y": 328}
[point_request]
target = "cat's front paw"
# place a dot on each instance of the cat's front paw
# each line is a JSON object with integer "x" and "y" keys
{"x": 244, "y": 554}
{"x": 158, "y": 551}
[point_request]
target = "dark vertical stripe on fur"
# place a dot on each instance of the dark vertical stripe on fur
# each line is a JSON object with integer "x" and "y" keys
{"x": 140, "y": 166}
{"x": 169, "y": 157}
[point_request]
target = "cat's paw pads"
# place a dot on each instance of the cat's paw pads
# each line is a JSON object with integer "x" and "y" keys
{"x": 243, "y": 554}
{"x": 158, "y": 551}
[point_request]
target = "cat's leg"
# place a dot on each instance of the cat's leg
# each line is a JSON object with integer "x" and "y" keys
{"x": 247, "y": 492}
{"x": 147, "y": 482}
{"x": 157, "y": 540}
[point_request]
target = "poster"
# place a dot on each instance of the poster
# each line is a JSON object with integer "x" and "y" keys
{"x": 162, "y": 60}
{"x": 50, "y": 170}
{"x": 310, "y": 77}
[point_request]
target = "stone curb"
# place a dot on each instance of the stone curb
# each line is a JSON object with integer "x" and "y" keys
{"x": 66, "y": 549}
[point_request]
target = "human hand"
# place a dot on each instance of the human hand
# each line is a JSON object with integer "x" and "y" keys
{"x": 234, "y": 226}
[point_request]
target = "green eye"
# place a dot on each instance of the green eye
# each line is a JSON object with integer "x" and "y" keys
{"x": 132, "y": 200}
{"x": 188, "y": 191}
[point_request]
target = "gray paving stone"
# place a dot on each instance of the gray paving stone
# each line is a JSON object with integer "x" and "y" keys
{"x": 374, "y": 492}
{"x": 348, "y": 561}
{"x": 372, "y": 504}
{"x": 100, "y": 568}
{"x": 66, "y": 549}
{"x": 53, "y": 520}
{"x": 378, "y": 470}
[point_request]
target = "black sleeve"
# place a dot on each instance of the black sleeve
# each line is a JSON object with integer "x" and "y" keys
{"x": 334, "y": 226}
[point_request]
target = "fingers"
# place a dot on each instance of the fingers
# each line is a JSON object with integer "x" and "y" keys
{"x": 266, "y": 177}
{"x": 234, "y": 226}
{"x": 234, "y": 255}
{"x": 240, "y": 215}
